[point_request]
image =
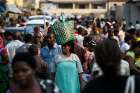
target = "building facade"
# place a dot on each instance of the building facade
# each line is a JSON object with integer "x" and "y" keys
{"x": 23, "y": 3}
{"x": 18, "y": 3}
{"x": 98, "y": 7}
{"x": 74, "y": 6}
{"x": 132, "y": 11}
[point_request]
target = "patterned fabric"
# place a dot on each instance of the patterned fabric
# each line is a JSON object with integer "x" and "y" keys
{"x": 64, "y": 31}
{"x": 48, "y": 86}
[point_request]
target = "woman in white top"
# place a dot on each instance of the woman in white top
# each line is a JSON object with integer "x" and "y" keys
{"x": 68, "y": 67}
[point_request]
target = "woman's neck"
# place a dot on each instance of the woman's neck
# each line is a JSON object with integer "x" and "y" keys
{"x": 66, "y": 54}
{"x": 30, "y": 85}
{"x": 33, "y": 87}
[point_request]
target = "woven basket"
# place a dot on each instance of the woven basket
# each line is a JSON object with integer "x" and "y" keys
{"x": 64, "y": 31}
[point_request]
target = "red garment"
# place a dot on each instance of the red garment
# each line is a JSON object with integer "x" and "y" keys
{"x": 1, "y": 42}
{"x": 79, "y": 51}
{"x": 4, "y": 55}
{"x": 89, "y": 58}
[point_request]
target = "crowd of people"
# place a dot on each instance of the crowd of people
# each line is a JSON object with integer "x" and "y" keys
{"x": 100, "y": 58}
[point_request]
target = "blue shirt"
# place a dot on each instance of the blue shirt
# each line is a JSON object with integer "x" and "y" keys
{"x": 48, "y": 54}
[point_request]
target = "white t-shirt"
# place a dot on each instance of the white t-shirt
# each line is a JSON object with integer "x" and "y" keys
{"x": 124, "y": 68}
{"x": 137, "y": 26}
{"x": 12, "y": 46}
{"x": 124, "y": 47}
{"x": 121, "y": 35}
{"x": 72, "y": 57}
{"x": 80, "y": 39}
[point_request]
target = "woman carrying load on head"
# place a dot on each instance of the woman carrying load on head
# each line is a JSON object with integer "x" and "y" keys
{"x": 67, "y": 70}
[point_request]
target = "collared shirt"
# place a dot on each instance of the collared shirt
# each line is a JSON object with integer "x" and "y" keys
{"x": 48, "y": 54}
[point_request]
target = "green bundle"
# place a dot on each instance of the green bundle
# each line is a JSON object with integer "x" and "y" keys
{"x": 64, "y": 31}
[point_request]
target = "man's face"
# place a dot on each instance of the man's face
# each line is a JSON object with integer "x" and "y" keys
{"x": 36, "y": 29}
{"x": 50, "y": 40}
{"x": 38, "y": 37}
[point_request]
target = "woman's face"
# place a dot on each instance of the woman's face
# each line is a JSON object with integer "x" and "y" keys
{"x": 66, "y": 49}
{"x": 22, "y": 73}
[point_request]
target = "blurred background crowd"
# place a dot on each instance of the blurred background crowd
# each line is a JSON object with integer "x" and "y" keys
{"x": 60, "y": 50}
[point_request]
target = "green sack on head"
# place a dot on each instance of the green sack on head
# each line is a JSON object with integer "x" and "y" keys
{"x": 63, "y": 31}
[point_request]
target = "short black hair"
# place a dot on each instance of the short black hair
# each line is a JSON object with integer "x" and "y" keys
{"x": 8, "y": 33}
{"x": 89, "y": 42}
{"x": 28, "y": 38}
{"x": 50, "y": 33}
{"x": 33, "y": 49}
{"x": 70, "y": 44}
{"x": 25, "y": 57}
